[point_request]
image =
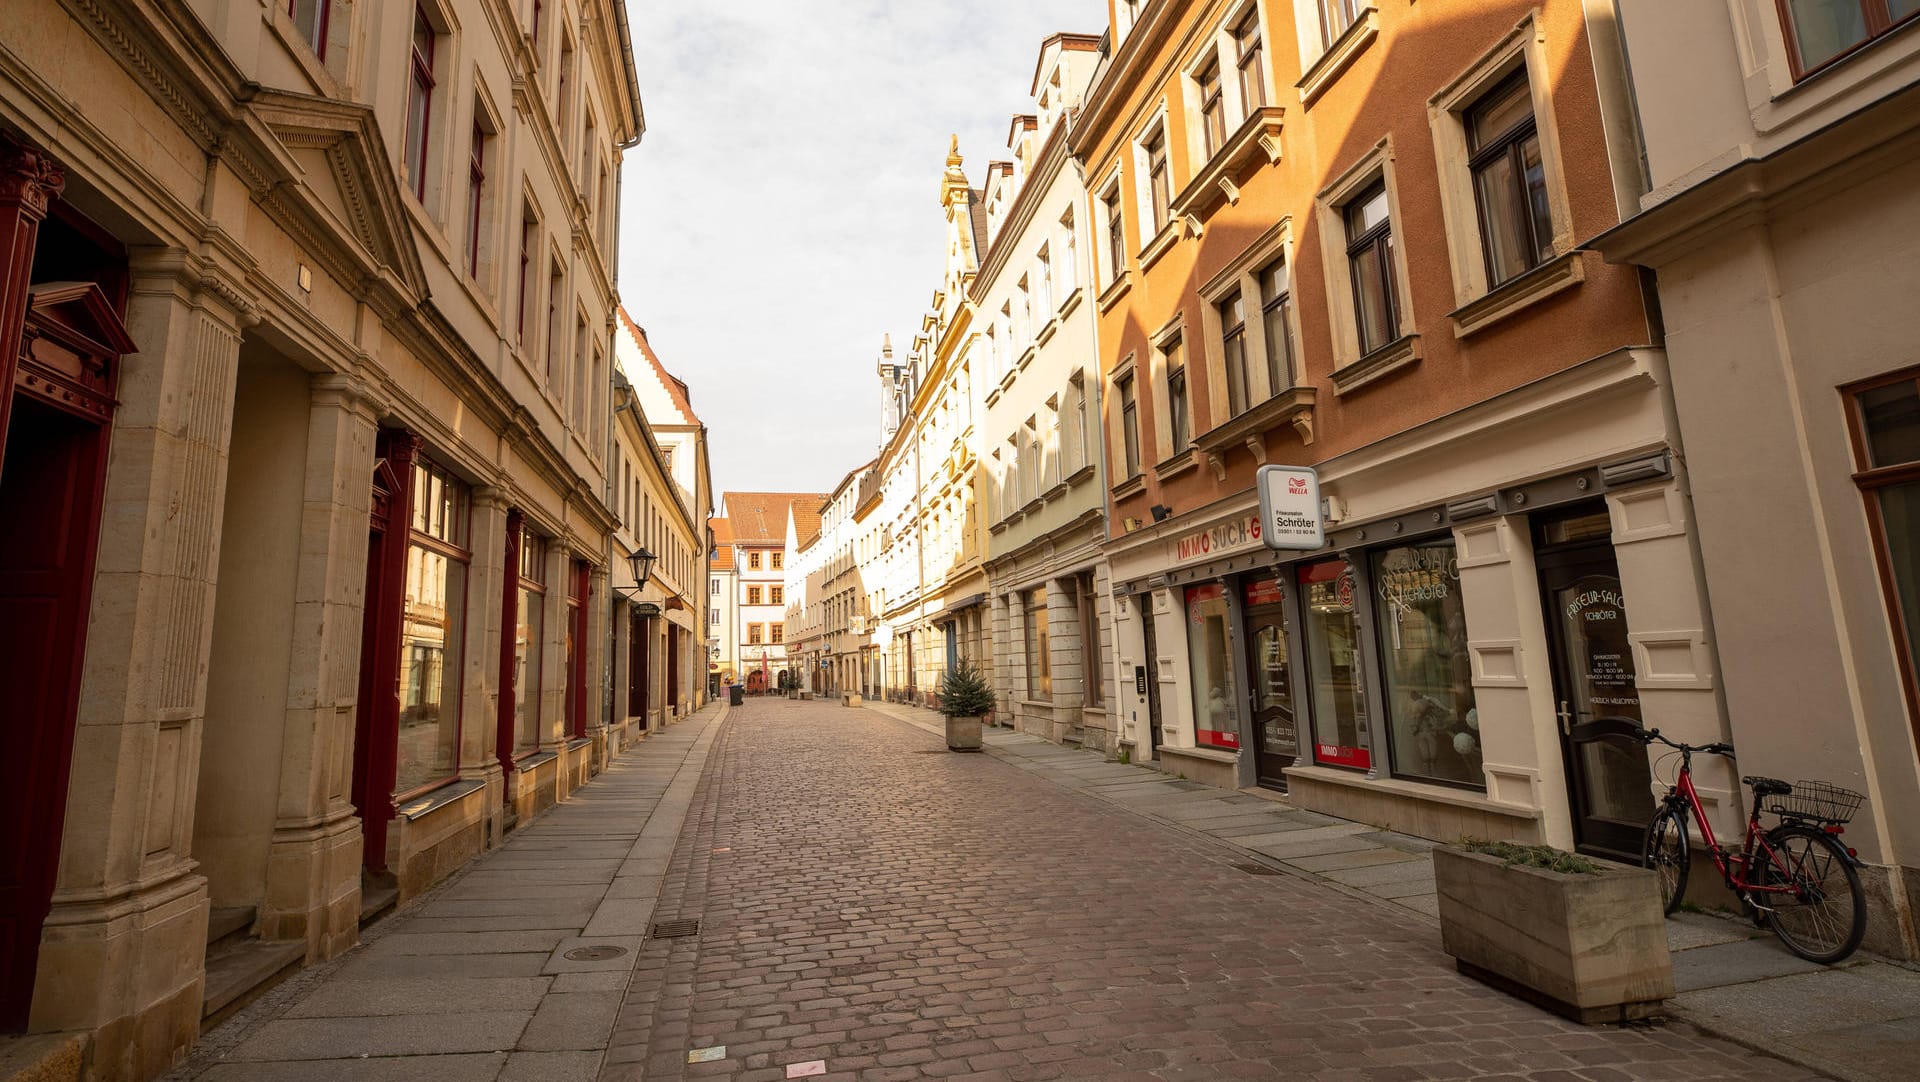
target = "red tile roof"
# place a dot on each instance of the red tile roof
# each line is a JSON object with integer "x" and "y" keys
{"x": 761, "y": 517}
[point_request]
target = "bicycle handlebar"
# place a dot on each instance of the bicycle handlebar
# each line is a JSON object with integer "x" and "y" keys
{"x": 1717, "y": 748}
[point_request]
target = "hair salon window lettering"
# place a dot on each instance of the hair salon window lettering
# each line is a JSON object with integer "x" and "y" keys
{"x": 1434, "y": 724}
{"x": 1594, "y": 621}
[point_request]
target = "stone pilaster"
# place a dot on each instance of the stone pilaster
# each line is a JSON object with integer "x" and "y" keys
{"x": 1063, "y": 646}
{"x": 122, "y": 950}
{"x": 313, "y": 865}
{"x": 480, "y": 712}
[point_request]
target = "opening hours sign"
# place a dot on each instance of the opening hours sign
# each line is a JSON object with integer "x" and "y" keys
{"x": 1290, "y": 508}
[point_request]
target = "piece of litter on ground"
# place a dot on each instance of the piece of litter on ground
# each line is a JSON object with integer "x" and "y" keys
{"x": 808, "y": 1069}
{"x": 724, "y": 849}
{"x": 707, "y": 1055}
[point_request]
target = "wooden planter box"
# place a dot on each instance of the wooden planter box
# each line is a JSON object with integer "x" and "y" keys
{"x": 1592, "y": 948}
{"x": 963, "y": 734}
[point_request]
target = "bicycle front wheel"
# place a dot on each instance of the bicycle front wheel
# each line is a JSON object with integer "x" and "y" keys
{"x": 1823, "y": 916}
{"x": 1667, "y": 854}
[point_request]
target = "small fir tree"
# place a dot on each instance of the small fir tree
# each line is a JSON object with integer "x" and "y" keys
{"x": 965, "y": 694}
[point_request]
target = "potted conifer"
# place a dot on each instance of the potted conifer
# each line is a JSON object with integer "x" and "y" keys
{"x": 965, "y": 698}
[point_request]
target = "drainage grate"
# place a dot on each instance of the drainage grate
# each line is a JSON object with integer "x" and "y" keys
{"x": 594, "y": 954}
{"x": 1256, "y": 869}
{"x": 675, "y": 929}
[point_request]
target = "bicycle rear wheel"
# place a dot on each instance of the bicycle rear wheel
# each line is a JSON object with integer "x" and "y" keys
{"x": 1824, "y": 916}
{"x": 1666, "y": 852}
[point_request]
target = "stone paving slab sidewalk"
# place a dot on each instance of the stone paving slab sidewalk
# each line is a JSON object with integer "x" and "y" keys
{"x": 473, "y": 980}
{"x": 1856, "y": 1021}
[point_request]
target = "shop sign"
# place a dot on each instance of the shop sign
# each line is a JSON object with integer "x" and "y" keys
{"x": 1290, "y": 508}
{"x": 1341, "y": 755}
{"x": 1220, "y": 539}
{"x": 1140, "y": 680}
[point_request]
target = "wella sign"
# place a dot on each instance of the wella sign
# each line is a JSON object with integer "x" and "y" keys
{"x": 1290, "y": 508}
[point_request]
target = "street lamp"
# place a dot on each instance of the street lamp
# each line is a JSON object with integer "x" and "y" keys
{"x": 641, "y": 564}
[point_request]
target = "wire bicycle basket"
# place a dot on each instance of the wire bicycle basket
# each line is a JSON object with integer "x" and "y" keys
{"x": 1819, "y": 801}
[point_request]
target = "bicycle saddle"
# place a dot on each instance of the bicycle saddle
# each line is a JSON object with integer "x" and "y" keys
{"x": 1767, "y": 786}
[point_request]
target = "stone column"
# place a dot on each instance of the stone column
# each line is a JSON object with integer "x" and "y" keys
{"x": 122, "y": 950}
{"x": 1063, "y": 644}
{"x": 481, "y": 686}
{"x": 313, "y": 865}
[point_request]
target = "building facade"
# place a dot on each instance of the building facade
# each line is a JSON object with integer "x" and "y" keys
{"x": 311, "y": 309}
{"x": 826, "y": 593}
{"x": 723, "y": 613}
{"x": 1051, "y": 615}
{"x": 1783, "y": 224}
{"x": 661, "y": 492}
{"x": 1349, "y": 237}
{"x": 758, "y": 523}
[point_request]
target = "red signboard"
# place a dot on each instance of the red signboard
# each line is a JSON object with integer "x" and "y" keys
{"x": 1341, "y": 755}
{"x": 1265, "y": 592}
{"x": 1214, "y": 738}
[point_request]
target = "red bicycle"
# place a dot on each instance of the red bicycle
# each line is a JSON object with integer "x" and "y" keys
{"x": 1797, "y": 879}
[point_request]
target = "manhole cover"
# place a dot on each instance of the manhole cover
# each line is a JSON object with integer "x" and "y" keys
{"x": 675, "y": 929}
{"x": 594, "y": 954}
{"x": 1256, "y": 869}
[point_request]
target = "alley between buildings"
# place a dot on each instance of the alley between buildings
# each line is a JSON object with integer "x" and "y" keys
{"x": 870, "y": 906}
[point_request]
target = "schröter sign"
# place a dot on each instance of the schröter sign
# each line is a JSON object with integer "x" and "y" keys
{"x": 1290, "y": 508}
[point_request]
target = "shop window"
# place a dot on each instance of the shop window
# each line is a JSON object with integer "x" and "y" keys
{"x": 1336, "y": 682}
{"x": 1216, "y": 696}
{"x": 1822, "y": 31}
{"x": 1039, "y": 655}
{"x": 1885, "y": 418}
{"x": 1509, "y": 180}
{"x": 1433, "y": 727}
{"x": 1092, "y": 652}
{"x": 433, "y": 626}
{"x": 574, "y": 719}
{"x": 529, "y": 637}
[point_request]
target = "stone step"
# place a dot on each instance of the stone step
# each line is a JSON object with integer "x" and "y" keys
{"x": 377, "y": 899}
{"x": 240, "y": 974}
{"x": 227, "y": 926}
{"x": 41, "y": 1057}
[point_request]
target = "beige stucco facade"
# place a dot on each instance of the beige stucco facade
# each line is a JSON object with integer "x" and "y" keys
{"x": 319, "y": 296}
{"x": 1783, "y": 225}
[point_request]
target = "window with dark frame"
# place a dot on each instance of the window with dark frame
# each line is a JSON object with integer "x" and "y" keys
{"x": 1039, "y": 652}
{"x": 476, "y": 193}
{"x": 1129, "y": 426}
{"x": 1116, "y": 233}
{"x": 1884, "y": 418}
{"x": 1509, "y": 180}
{"x": 529, "y": 232}
{"x": 420, "y": 101}
{"x": 1376, "y": 298}
{"x": 1213, "y": 109}
{"x": 1247, "y": 42}
{"x": 1820, "y": 32}
{"x": 1091, "y": 651}
{"x": 1335, "y": 17}
{"x": 1233, "y": 351}
{"x": 533, "y": 31}
{"x": 1180, "y": 424}
{"x": 310, "y": 18}
{"x": 556, "y": 282}
{"x": 1158, "y": 183}
{"x": 1276, "y": 319}
{"x": 753, "y": 595}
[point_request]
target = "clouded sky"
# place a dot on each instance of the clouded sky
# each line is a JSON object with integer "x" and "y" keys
{"x": 783, "y": 211}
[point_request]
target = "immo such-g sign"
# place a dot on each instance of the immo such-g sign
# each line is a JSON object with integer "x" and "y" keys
{"x": 1290, "y": 508}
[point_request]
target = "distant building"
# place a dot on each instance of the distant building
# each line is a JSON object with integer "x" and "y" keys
{"x": 723, "y": 611}
{"x": 759, "y": 523}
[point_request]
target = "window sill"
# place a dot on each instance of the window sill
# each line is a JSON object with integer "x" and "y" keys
{"x": 1084, "y": 473}
{"x": 1560, "y": 273}
{"x": 993, "y": 396}
{"x": 1058, "y": 490}
{"x": 1177, "y": 465}
{"x": 1160, "y": 245}
{"x": 1295, "y": 405}
{"x": 1025, "y": 360}
{"x": 1068, "y": 306}
{"x": 1258, "y": 137}
{"x": 1324, "y": 72}
{"x": 434, "y": 799}
{"x": 1132, "y": 486}
{"x": 1046, "y": 334}
{"x": 1212, "y": 755}
{"x": 1115, "y": 290}
{"x": 1400, "y": 353}
{"x": 1006, "y": 381}
{"x": 1000, "y": 527}
{"x": 1032, "y": 506}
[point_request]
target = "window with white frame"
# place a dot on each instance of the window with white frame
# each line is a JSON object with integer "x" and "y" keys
{"x": 1336, "y": 16}
{"x": 1247, "y": 55}
{"x": 1179, "y": 408}
{"x": 1043, "y": 285}
{"x": 1033, "y": 461}
{"x": 1069, "y": 272}
{"x": 1053, "y": 448}
{"x": 1076, "y": 421}
{"x": 1213, "y": 107}
{"x": 1022, "y": 316}
{"x": 1157, "y": 191}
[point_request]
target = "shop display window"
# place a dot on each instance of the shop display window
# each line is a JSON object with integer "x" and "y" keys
{"x": 1434, "y": 728}
{"x": 1336, "y": 682}
{"x": 1216, "y": 696}
{"x": 1039, "y": 651}
{"x": 433, "y": 622}
{"x": 528, "y": 634}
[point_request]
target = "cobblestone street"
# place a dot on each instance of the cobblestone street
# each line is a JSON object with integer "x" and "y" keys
{"x": 892, "y": 911}
{"x": 872, "y": 907}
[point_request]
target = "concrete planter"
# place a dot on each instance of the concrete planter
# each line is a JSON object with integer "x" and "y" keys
{"x": 848, "y": 698}
{"x": 1592, "y": 948}
{"x": 963, "y": 734}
